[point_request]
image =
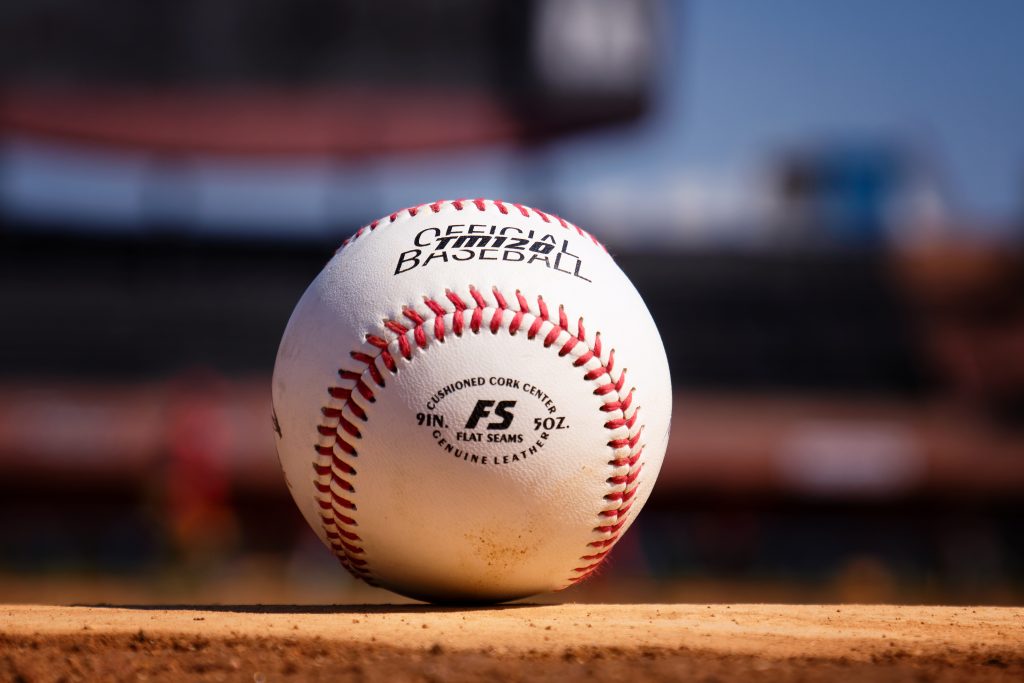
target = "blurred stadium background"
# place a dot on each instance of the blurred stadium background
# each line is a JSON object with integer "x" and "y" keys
{"x": 822, "y": 206}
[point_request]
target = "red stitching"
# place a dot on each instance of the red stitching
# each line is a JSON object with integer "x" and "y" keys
{"x": 334, "y": 474}
{"x": 460, "y": 205}
{"x": 412, "y": 315}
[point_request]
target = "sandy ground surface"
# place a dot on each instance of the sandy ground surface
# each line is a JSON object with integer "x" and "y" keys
{"x": 566, "y": 643}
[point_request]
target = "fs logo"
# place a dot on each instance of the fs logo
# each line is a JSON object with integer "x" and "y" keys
{"x": 483, "y": 409}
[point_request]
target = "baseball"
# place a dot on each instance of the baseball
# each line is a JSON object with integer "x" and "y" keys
{"x": 471, "y": 402}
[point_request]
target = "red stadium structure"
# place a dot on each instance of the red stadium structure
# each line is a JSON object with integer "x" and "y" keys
{"x": 341, "y": 78}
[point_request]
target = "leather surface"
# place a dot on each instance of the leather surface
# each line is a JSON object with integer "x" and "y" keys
{"x": 420, "y": 515}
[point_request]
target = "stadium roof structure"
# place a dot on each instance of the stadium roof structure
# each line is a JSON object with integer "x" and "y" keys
{"x": 340, "y": 78}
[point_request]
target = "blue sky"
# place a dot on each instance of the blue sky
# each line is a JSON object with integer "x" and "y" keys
{"x": 745, "y": 80}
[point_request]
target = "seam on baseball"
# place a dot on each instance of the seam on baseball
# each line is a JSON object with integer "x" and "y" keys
{"x": 345, "y": 413}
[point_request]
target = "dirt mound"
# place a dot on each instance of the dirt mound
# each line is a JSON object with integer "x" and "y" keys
{"x": 560, "y": 643}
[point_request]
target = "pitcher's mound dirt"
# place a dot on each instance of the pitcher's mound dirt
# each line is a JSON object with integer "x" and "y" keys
{"x": 561, "y": 643}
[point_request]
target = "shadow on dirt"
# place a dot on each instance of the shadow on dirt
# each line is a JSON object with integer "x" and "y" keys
{"x": 322, "y": 609}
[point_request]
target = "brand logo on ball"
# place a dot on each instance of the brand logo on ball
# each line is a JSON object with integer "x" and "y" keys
{"x": 479, "y": 242}
{"x": 511, "y": 420}
{"x": 482, "y": 409}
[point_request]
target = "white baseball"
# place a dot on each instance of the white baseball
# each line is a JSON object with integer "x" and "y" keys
{"x": 471, "y": 402}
